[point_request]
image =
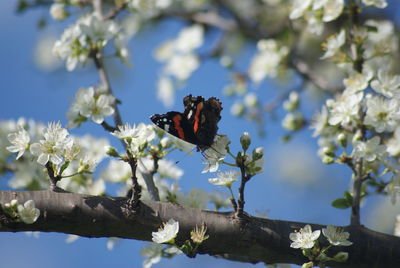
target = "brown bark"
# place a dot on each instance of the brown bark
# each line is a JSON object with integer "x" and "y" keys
{"x": 250, "y": 239}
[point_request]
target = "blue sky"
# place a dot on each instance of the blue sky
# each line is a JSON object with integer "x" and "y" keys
{"x": 31, "y": 92}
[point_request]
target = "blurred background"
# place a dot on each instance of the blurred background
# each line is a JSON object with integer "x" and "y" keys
{"x": 295, "y": 184}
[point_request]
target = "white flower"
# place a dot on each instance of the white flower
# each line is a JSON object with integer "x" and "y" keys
{"x": 332, "y": 9}
{"x": 196, "y": 198}
{"x": 375, "y": 3}
{"x": 152, "y": 253}
{"x": 19, "y": 140}
{"x": 167, "y": 233}
{"x": 182, "y": 65}
{"x": 125, "y": 132}
{"x": 266, "y": 61}
{"x": 28, "y": 212}
{"x": 92, "y": 103}
{"x": 216, "y": 154}
{"x": 52, "y": 148}
{"x": 320, "y": 122}
{"x": 225, "y": 178}
{"x": 386, "y": 84}
{"x": 304, "y": 238}
{"x": 333, "y": 44}
{"x": 112, "y": 242}
{"x": 98, "y": 30}
{"x": 57, "y": 11}
{"x": 369, "y": 150}
{"x": 393, "y": 145}
{"x": 189, "y": 38}
{"x": 299, "y": 8}
{"x": 237, "y": 109}
{"x": 382, "y": 114}
{"x": 358, "y": 81}
{"x": 165, "y": 91}
{"x": 169, "y": 169}
{"x": 77, "y": 40}
{"x": 336, "y": 236}
{"x": 344, "y": 111}
{"x": 250, "y": 100}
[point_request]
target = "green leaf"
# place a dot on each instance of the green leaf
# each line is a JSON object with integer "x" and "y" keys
{"x": 341, "y": 203}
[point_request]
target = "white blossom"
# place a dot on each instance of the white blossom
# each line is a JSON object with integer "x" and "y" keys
{"x": 299, "y": 8}
{"x": 57, "y": 11}
{"x": 369, "y": 150}
{"x": 165, "y": 91}
{"x": 332, "y": 9}
{"x": 19, "y": 140}
{"x": 357, "y": 82}
{"x": 225, "y": 178}
{"x": 167, "y": 233}
{"x": 333, "y": 44}
{"x": 266, "y": 62}
{"x": 52, "y": 148}
{"x": 91, "y": 103}
{"x": 393, "y": 145}
{"x": 304, "y": 238}
{"x": 28, "y": 212}
{"x": 320, "y": 122}
{"x": 382, "y": 114}
{"x": 216, "y": 154}
{"x": 182, "y": 65}
{"x": 386, "y": 84}
{"x": 189, "y": 38}
{"x": 344, "y": 111}
{"x": 152, "y": 253}
{"x": 375, "y": 3}
{"x": 336, "y": 236}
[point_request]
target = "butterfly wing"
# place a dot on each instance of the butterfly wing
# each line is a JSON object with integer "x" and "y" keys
{"x": 204, "y": 116}
{"x": 176, "y": 124}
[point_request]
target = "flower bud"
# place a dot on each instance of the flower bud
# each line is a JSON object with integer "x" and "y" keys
{"x": 245, "y": 141}
{"x": 292, "y": 103}
{"x": 258, "y": 153}
{"x": 342, "y": 139}
{"x": 357, "y": 136}
{"x": 166, "y": 142}
{"x": 307, "y": 265}
{"x": 14, "y": 203}
{"x": 341, "y": 257}
{"x": 57, "y": 11}
{"x": 328, "y": 160}
{"x": 111, "y": 151}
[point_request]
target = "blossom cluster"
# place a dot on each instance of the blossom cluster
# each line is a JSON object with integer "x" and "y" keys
{"x": 180, "y": 60}
{"x": 365, "y": 117}
{"x": 307, "y": 240}
{"x": 74, "y": 158}
{"x": 26, "y": 213}
{"x": 87, "y": 35}
{"x": 92, "y": 102}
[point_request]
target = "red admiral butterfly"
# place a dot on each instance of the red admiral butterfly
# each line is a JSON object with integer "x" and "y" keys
{"x": 196, "y": 125}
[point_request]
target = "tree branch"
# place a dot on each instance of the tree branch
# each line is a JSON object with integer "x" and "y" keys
{"x": 258, "y": 240}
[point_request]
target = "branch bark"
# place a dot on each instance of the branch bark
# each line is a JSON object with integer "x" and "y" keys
{"x": 249, "y": 239}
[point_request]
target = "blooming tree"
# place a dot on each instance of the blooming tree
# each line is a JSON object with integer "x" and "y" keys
{"x": 339, "y": 49}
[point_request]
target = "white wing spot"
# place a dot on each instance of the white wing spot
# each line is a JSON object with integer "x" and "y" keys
{"x": 190, "y": 114}
{"x": 166, "y": 128}
{"x": 165, "y": 119}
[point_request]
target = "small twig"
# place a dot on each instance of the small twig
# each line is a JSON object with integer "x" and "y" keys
{"x": 149, "y": 180}
{"x": 53, "y": 179}
{"x": 137, "y": 190}
{"x": 114, "y": 12}
{"x": 245, "y": 178}
{"x": 107, "y": 127}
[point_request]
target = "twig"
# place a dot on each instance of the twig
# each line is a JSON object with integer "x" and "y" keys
{"x": 359, "y": 163}
{"x": 53, "y": 179}
{"x": 137, "y": 190}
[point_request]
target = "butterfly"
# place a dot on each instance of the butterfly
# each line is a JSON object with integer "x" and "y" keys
{"x": 196, "y": 125}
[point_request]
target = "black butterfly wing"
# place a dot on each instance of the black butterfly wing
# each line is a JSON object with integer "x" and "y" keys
{"x": 176, "y": 124}
{"x": 204, "y": 116}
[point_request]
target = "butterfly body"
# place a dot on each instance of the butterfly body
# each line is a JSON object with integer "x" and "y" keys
{"x": 196, "y": 125}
